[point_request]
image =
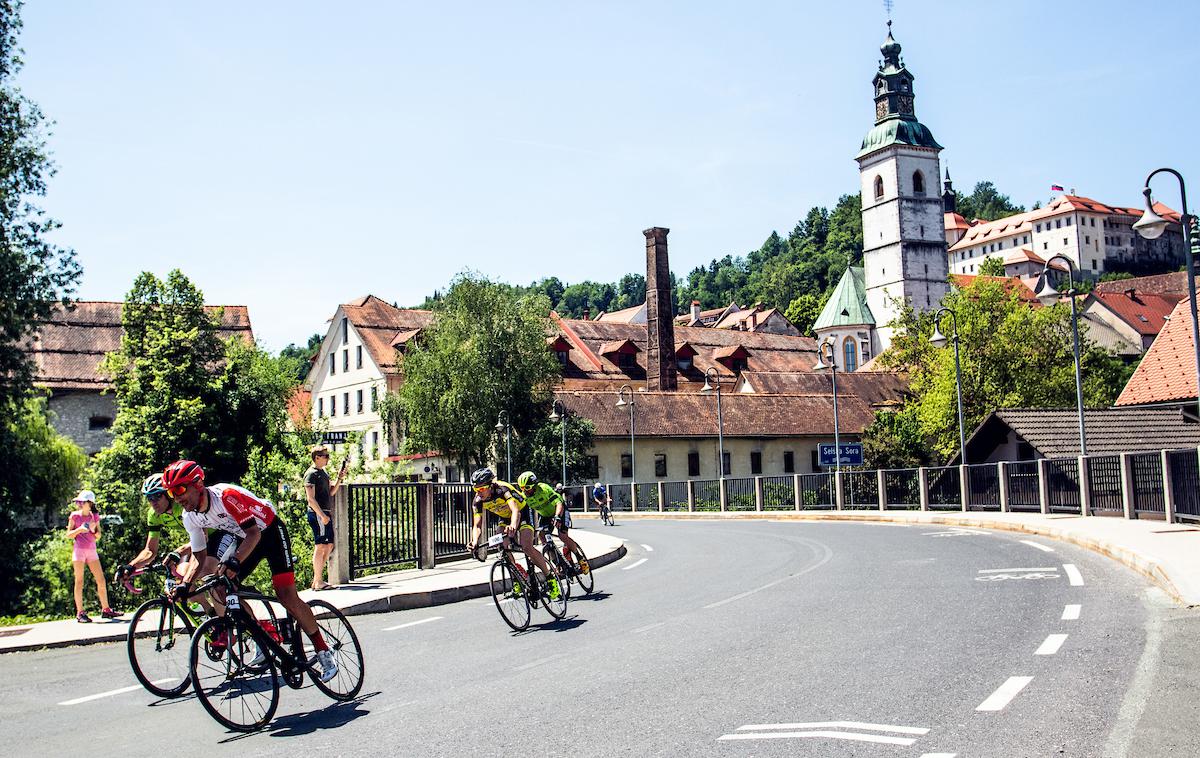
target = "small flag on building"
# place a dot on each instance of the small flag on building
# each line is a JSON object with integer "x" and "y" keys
{"x": 1056, "y": 188}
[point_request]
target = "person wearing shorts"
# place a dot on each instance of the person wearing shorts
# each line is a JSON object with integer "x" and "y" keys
{"x": 83, "y": 526}
{"x": 320, "y": 492}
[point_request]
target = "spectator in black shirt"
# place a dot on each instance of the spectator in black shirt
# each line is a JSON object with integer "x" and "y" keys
{"x": 320, "y": 511}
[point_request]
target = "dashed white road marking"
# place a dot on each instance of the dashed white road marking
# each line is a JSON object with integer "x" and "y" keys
{"x": 939, "y": 755}
{"x": 1073, "y": 574}
{"x": 827, "y": 730}
{"x": 829, "y": 735}
{"x": 540, "y": 662}
{"x": 838, "y": 725}
{"x": 1007, "y": 571}
{"x": 1038, "y": 545}
{"x": 648, "y": 627}
{"x": 1052, "y": 644}
{"x": 110, "y": 693}
{"x": 412, "y": 623}
{"x": 635, "y": 565}
{"x": 1071, "y": 612}
{"x": 1004, "y": 695}
{"x": 648, "y": 548}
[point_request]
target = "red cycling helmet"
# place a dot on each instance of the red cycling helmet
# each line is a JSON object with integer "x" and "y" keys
{"x": 181, "y": 473}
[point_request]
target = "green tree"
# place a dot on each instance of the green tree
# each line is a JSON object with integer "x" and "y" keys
{"x": 993, "y": 266}
{"x": 303, "y": 355}
{"x": 985, "y": 202}
{"x": 484, "y": 353}
{"x": 541, "y": 450}
{"x": 803, "y": 312}
{"x": 1012, "y": 355}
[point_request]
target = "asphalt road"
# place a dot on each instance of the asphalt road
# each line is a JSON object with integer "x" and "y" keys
{"x": 717, "y": 638}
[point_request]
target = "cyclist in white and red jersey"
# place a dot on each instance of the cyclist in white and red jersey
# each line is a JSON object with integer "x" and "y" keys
{"x": 261, "y": 535}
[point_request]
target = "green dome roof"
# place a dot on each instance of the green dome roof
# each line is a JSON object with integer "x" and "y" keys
{"x": 897, "y": 131}
{"x": 847, "y": 306}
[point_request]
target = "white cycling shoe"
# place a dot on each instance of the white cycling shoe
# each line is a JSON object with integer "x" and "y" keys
{"x": 329, "y": 667}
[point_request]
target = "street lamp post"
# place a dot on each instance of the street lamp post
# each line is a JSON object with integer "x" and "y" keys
{"x": 621, "y": 403}
{"x": 1048, "y": 295}
{"x": 502, "y": 425}
{"x": 716, "y": 379}
{"x": 832, "y": 366}
{"x": 1151, "y": 226}
{"x": 562, "y": 417}
{"x": 939, "y": 340}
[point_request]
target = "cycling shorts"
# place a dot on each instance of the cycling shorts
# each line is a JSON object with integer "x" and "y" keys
{"x": 545, "y": 521}
{"x": 274, "y": 545}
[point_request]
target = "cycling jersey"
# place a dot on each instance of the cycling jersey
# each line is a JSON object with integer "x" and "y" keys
{"x": 230, "y": 509}
{"x": 544, "y": 500}
{"x": 159, "y": 524}
{"x": 497, "y": 500}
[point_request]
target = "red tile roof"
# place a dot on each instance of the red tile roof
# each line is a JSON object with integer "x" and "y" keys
{"x": 1020, "y": 222}
{"x": 69, "y": 346}
{"x": 873, "y": 388}
{"x": 1146, "y": 313}
{"x": 1174, "y": 283}
{"x": 1168, "y": 370}
{"x": 384, "y": 328}
{"x": 955, "y": 221}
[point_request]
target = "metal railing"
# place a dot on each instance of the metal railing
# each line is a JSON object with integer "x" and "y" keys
{"x": 647, "y": 496}
{"x": 1148, "y": 496}
{"x": 945, "y": 491}
{"x": 708, "y": 494}
{"x": 1023, "y": 489}
{"x": 902, "y": 489}
{"x": 675, "y": 496}
{"x": 778, "y": 493}
{"x": 817, "y": 491}
{"x": 739, "y": 495}
{"x": 983, "y": 487}
{"x": 1104, "y": 485}
{"x": 383, "y": 526}
{"x": 1185, "y": 483}
{"x": 1063, "y": 485}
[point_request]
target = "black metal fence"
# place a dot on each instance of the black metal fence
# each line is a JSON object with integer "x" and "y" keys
{"x": 817, "y": 491}
{"x": 860, "y": 490}
{"x": 647, "y": 496}
{"x": 708, "y": 494}
{"x": 739, "y": 495}
{"x": 1148, "y": 496}
{"x": 1185, "y": 483}
{"x": 1104, "y": 485}
{"x": 944, "y": 490}
{"x": 383, "y": 527}
{"x": 1063, "y": 481}
{"x": 778, "y": 493}
{"x": 452, "y": 519}
{"x": 902, "y": 489}
{"x": 983, "y": 487}
{"x": 1023, "y": 491}
{"x": 675, "y": 496}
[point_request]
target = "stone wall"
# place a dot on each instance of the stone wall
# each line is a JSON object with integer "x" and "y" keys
{"x": 85, "y": 417}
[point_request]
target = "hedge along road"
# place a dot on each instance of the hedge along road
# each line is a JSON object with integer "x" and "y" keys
{"x": 731, "y": 638}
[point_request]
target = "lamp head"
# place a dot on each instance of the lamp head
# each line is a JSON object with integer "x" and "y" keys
{"x": 554, "y": 414}
{"x": 621, "y": 401}
{"x": 707, "y": 387}
{"x": 500, "y": 426}
{"x": 938, "y": 339}
{"x": 1046, "y": 294}
{"x": 1151, "y": 225}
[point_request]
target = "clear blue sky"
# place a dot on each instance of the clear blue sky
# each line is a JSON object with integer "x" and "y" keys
{"x": 291, "y": 156}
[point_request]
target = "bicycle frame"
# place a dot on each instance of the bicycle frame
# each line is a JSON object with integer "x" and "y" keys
{"x": 290, "y": 666}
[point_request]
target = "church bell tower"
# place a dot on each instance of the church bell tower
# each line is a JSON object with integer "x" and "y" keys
{"x": 904, "y": 244}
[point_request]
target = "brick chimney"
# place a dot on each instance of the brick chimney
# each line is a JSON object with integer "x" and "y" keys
{"x": 695, "y": 311}
{"x": 660, "y": 322}
{"x": 587, "y": 314}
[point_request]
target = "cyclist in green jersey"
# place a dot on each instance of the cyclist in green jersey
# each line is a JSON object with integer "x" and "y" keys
{"x": 550, "y": 506}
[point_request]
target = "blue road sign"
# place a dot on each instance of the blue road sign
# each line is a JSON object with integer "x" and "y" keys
{"x": 851, "y": 454}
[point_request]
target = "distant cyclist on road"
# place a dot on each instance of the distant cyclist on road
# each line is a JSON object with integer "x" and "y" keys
{"x": 603, "y": 502}
{"x": 503, "y": 499}
{"x": 551, "y": 509}
{"x": 262, "y": 534}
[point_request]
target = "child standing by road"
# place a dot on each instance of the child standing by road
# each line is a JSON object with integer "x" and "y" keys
{"x": 83, "y": 526}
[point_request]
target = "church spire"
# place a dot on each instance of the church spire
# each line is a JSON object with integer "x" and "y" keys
{"x": 949, "y": 199}
{"x": 893, "y": 83}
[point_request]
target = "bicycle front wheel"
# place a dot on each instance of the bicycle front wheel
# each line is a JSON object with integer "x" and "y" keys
{"x": 159, "y": 643}
{"x": 511, "y": 596}
{"x": 554, "y": 558}
{"x": 343, "y": 643}
{"x": 554, "y": 598}
{"x": 239, "y": 696}
{"x": 587, "y": 582}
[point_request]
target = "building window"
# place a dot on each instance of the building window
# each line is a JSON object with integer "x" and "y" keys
{"x": 755, "y": 462}
{"x": 1058, "y": 223}
{"x": 850, "y": 352}
{"x": 374, "y": 444}
{"x": 918, "y": 184}
{"x": 332, "y": 364}
{"x": 626, "y": 466}
{"x": 626, "y": 360}
{"x": 345, "y": 403}
{"x": 358, "y": 357}
{"x": 1068, "y": 220}
{"x": 879, "y": 188}
{"x": 1039, "y": 227}
{"x": 1045, "y": 245}
{"x": 374, "y": 397}
{"x": 789, "y": 462}
{"x": 345, "y": 330}
{"x": 725, "y": 464}
{"x": 562, "y": 356}
{"x": 1093, "y": 222}
{"x": 1087, "y": 240}
{"x": 660, "y": 464}
{"x": 359, "y": 398}
{"x": 693, "y": 463}
{"x": 685, "y": 364}
{"x": 98, "y": 423}
{"x": 346, "y": 360}
{"x": 591, "y": 467}
{"x": 320, "y": 407}
{"x": 1093, "y": 264}
{"x": 333, "y": 405}
{"x": 1064, "y": 241}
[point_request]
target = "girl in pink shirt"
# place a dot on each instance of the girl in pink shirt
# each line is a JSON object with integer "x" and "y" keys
{"x": 83, "y": 526}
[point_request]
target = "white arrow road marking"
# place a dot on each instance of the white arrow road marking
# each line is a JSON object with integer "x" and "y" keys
{"x": 1071, "y": 613}
{"x": 110, "y": 693}
{"x": 412, "y": 623}
{"x": 1073, "y": 574}
{"x": 1038, "y": 545}
{"x": 1004, "y": 695}
{"x": 635, "y": 565}
{"x": 1013, "y": 571}
{"x": 1052, "y": 644}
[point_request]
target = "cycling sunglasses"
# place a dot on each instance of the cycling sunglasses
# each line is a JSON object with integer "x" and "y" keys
{"x": 154, "y": 497}
{"x": 482, "y": 488}
{"x": 177, "y": 490}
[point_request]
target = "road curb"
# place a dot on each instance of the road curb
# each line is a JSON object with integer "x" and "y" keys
{"x": 1148, "y": 567}
{"x": 398, "y": 602}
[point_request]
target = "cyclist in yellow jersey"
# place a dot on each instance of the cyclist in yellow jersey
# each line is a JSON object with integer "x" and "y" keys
{"x": 504, "y": 500}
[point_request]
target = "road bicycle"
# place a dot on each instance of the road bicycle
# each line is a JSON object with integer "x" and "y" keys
{"x": 238, "y": 683}
{"x": 517, "y": 589}
{"x": 606, "y": 516}
{"x": 160, "y": 634}
{"x": 568, "y": 566}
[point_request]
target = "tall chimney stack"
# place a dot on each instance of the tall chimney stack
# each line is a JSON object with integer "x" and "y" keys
{"x": 660, "y": 321}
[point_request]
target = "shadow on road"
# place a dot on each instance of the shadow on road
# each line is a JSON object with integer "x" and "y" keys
{"x": 299, "y": 724}
{"x": 592, "y": 597}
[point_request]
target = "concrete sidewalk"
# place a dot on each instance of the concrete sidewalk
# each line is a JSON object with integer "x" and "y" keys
{"x": 1167, "y": 554}
{"x": 379, "y": 593}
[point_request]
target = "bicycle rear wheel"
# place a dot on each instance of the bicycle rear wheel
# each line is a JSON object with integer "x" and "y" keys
{"x": 587, "y": 582}
{"x": 554, "y": 601}
{"x": 511, "y": 596}
{"x": 343, "y": 643}
{"x": 159, "y": 646}
{"x": 240, "y": 697}
{"x": 554, "y": 557}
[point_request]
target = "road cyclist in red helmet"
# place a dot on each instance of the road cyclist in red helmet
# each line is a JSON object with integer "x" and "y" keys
{"x": 261, "y": 534}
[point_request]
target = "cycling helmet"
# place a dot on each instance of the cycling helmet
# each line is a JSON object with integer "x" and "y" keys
{"x": 481, "y": 477}
{"x": 558, "y": 488}
{"x": 527, "y": 480}
{"x": 182, "y": 472}
{"x": 153, "y": 486}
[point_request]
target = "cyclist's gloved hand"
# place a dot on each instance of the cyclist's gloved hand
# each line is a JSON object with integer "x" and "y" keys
{"x": 181, "y": 592}
{"x": 557, "y": 523}
{"x": 124, "y": 571}
{"x": 232, "y": 564}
